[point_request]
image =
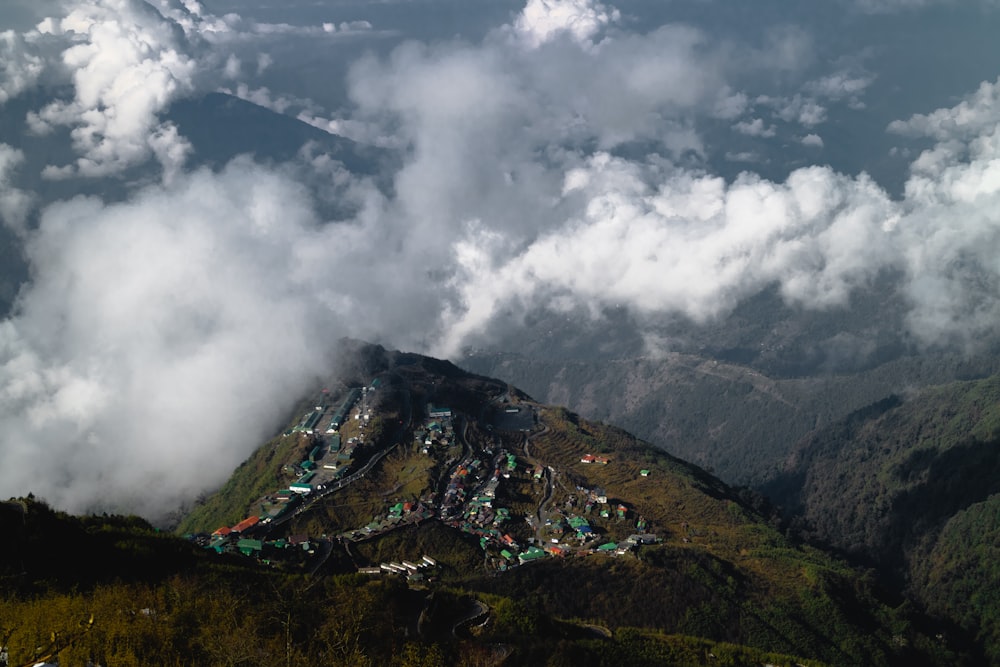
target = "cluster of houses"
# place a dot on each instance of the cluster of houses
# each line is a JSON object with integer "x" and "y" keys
{"x": 396, "y": 515}
{"x": 464, "y": 478}
{"x": 328, "y": 459}
{"x": 436, "y": 433}
{"x": 247, "y": 538}
{"x": 467, "y": 504}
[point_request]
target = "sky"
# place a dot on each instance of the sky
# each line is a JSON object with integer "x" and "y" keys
{"x": 671, "y": 158}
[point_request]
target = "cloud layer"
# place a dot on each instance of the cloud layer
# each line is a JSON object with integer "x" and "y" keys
{"x": 562, "y": 162}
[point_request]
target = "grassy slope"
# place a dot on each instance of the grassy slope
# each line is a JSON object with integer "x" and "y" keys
{"x": 722, "y": 571}
{"x": 260, "y": 474}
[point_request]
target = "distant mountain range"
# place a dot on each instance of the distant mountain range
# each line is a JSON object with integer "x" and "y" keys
{"x": 731, "y": 418}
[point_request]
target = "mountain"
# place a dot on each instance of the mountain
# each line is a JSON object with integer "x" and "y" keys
{"x": 911, "y": 485}
{"x": 716, "y": 567}
{"x": 414, "y": 513}
{"x": 732, "y": 418}
{"x": 221, "y": 126}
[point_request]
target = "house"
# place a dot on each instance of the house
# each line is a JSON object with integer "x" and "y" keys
{"x": 644, "y": 473}
{"x": 249, "y": 547}
{"x": 246, "y": 524}
{"x": 532, "y": 553}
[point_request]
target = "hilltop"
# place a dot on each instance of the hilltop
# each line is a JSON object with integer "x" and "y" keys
{"x": 407, "y": 467}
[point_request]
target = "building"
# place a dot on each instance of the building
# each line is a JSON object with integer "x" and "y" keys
{"x": 246, "y": 524}
{"x": 532, "y": 553}
{"x": 250, "y": 547}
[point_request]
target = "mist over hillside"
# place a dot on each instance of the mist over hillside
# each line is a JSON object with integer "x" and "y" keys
{"x": 773, "y": 188}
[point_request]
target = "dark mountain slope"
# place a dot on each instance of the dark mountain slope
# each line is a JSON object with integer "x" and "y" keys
{"x": 912, "y": 487}
{"x": 221, "y": 126}
{"x": 731, "y": 418}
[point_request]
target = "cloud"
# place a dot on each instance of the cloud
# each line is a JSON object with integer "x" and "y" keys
{"x": 665, "y": 239}
{"x": 840, "y": 85}
{"x": 544, "y": 20}
{"x": 755, "y": 128}
{"x": 973, "y": 116}
{"x": 812, "y": 140}
{"x": 19, "y": 67}
{"x": 685, "y": 243}
{"x": 127, "y": 63}
{"x": 149, "y": 332}
{"x": 801, "y": 109}
{"x": 14, "y": 202}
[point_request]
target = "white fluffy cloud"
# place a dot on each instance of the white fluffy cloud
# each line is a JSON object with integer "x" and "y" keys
{"x": 149, "y": 331}
{"x": 662, "y": 239}
{"x": 127, "y": 64}
{"x": 543, "y": 20}
{"x": 686, "y": 243}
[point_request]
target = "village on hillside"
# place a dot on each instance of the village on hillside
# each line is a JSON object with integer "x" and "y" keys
{"x": 481, "y": 492}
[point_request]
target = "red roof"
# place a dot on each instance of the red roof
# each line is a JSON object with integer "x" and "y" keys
{"x": 225, "y": 530}
{"x": 249, "y": 522}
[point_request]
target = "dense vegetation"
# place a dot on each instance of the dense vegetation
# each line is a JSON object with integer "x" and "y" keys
{"x": 910, "y": 486}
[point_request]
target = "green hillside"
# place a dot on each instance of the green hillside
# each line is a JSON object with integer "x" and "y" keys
{"x": 910, "y": 485}
{"x": 719, "y": 569}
